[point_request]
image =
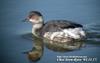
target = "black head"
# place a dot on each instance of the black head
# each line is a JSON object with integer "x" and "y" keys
{"x": 34, "y": 17}
{"x": 32, "y": 13}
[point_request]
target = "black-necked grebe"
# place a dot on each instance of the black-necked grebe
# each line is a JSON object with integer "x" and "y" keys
{"x": 56, "y": 30}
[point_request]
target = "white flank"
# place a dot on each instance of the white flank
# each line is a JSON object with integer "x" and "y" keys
{"x": 56, "y": 34}
{"x": 75, "y": 33}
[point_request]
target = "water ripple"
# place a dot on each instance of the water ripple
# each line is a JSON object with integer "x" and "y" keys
{"x": 93, "y": 33}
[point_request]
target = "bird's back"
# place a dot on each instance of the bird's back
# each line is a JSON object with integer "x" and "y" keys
{"x": 57, "y": 25}
{"x": 62, "y": 30}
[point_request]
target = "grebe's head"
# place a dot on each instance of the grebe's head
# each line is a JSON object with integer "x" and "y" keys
{"x": 35, "y": 17}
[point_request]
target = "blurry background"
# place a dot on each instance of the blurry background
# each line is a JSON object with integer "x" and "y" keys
{"x": 12, "y": 12}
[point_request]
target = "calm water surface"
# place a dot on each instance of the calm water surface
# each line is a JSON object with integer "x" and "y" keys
{"x": 15, "y": 35}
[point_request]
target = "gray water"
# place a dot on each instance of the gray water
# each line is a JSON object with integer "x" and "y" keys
{"x": 13, "y": 44}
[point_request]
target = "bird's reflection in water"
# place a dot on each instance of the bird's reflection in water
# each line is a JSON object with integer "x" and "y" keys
{"x": 63, "y": 47}
{"x": 37, "y": 50}
{"x": 93, "y": 37}
{"x": 38, "y": 45}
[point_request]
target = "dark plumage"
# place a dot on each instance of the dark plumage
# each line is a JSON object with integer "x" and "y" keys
{"x": 55, "y": 28}
{"x": 57, "y": 25}
{"x": 32, "y": 13}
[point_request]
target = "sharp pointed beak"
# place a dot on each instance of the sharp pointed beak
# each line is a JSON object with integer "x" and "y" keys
{"x": 25, "y": 20}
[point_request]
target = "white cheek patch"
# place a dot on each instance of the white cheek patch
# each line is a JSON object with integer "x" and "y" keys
{"x": 33, "y": 21}
{"x": 36, "y": 21}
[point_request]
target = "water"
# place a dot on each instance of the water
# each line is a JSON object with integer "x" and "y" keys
{"x": 13, "y": 44}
